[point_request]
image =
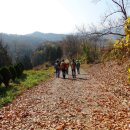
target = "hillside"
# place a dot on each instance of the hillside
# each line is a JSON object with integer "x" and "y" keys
{"x": 47, "y": 36}
{"x": 31, "y": 39}
{"x": 21, "y": 45}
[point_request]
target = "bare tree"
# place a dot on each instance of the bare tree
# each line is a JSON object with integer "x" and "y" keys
{"x": 71, "y": 46}
{"x": 113, "y": 21}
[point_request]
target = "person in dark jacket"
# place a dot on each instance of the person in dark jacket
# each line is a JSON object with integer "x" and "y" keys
{"x": 73, "y": 68}
{"x": 78, "y": 66}
{"x": 57, "y": 68}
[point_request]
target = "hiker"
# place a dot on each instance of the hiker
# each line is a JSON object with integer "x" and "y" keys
{"x": 57, "y": 68}
{"x": 67, "y": 66}
{"x": 73, "y": 68}
{"x": 78, "y": 66}
{"x": 63, "y": 68}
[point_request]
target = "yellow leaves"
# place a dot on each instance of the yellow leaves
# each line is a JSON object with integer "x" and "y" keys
{"x": 120, "y": 44}
{"x": 127, "y": 26}
{"x": 123, "y": 44}
{"x": 128, "y": 39}
{"x": 129, "y": 70}
{"x": 129, "y": 73}
{"x": 116, "y": 43}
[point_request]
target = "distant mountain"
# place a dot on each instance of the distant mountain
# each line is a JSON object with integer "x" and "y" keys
{"x": 20, "y": 45}
{"x": 47, "y": 36}
{"x": 33, "y": 38}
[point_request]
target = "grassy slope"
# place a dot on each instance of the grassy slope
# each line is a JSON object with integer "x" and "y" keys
{"x": 29, "y": 79}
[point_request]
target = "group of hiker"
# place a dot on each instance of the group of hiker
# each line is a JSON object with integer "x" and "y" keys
{"x": 63, "y": 66}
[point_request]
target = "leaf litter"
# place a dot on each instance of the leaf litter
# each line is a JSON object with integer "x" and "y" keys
{"x": 101, "y": 102}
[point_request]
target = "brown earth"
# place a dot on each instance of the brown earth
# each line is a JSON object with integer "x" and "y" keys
{"x": 98, "y": 99}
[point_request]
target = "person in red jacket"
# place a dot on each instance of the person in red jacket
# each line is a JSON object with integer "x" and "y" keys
{"x": 63, "y": 68}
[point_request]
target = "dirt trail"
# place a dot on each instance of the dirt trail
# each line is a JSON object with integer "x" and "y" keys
{"x": 59, "y": 104}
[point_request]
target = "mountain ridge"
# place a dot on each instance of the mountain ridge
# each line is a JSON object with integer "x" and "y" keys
{"x": 31, "y": 38}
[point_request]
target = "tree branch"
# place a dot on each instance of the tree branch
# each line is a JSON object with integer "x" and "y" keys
{"x": 107, "y": 33}
{"x": 111, "y": 14}
{"x": 122, "y": 8}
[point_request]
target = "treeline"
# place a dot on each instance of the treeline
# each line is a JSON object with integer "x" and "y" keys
{"x": 5, "y": 59}
{"x": 47, "y": 53}
{"x": 88, "y": 49}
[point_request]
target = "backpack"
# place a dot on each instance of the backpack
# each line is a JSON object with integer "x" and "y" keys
{"x": 57, "y": 66}
{"x": 77, "y": 64}
{"x": 73, "y": 65}
{"x": 62, "y": 66}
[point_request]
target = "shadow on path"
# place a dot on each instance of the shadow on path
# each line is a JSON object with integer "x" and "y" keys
{"x": 78, "y": 78}
{"x": 83, "y": 74}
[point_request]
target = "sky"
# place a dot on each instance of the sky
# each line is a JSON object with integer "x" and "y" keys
{"x": 48, "y": 16}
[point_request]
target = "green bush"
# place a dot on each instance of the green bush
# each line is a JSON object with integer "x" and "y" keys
{"x": 4, "y": 71}
{"x": 1, "y": 78}
{"x": 13, "y": 72}
{"x": 19, "y": 69}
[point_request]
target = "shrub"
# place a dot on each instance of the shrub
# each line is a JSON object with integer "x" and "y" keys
{"x": 1, "y": 78}
{"x": 13, "y": 72}
{"x": 19, "y": 69}
{"x": 4, "y": 71}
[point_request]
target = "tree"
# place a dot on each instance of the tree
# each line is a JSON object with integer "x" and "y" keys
{"x": 19, "y": 68}
{"x": 4, "y": 71}
{"x": 52, "y": 54}
{"x": 59, "y": 52}
{"x": 71, "y": 46}
{"x": 47, "y": 53}
{"x": 91, "y": 48}
{"x": 4, "y": 57}
{"x": 13, "y": 72}
{"x": 1, "y": 79}
{"x": 26, "y": 61}
{"x": 111, "y": 24}
{"x": 38, "y": 58}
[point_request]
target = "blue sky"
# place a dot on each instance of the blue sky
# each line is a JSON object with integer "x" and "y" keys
{"x": 49, "y": 16}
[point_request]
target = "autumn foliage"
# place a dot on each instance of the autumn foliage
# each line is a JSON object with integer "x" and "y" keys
{"x": 123, "y": 45}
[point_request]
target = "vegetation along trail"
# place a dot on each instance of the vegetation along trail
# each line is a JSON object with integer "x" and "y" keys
{"x": 66, "y": 104}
